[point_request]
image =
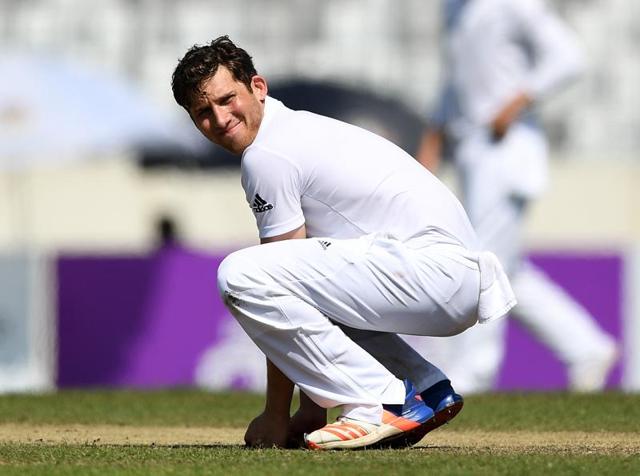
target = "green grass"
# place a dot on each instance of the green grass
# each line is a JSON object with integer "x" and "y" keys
{"x": 613, "y": 412}
{"x": 169, "y": 407}
{"x": 100, "y": 460}
{"x": 532, "y": 411}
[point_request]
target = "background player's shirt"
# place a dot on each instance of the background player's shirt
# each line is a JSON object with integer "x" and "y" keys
{"x": 342, "y": 181}
{"x": 493, "y": 51}
{"x": 496, "y": 49}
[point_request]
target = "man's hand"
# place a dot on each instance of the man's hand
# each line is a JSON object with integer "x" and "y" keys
{"x": 267, "y": 430}
{"x": 270, "y": 427}
{"x": 508, "y": 114}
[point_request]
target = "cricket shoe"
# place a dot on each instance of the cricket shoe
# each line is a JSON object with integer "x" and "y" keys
{"x": 445, "y": 403}
{"x": 590, "y": 375}
{"x": 348, "y": 433}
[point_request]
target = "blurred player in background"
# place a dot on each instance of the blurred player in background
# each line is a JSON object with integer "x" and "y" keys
{"x": 354, "y": 232}
{"x": 501, "y": 59}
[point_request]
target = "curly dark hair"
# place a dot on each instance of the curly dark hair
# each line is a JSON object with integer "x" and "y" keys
{"x": 202, "y": 61}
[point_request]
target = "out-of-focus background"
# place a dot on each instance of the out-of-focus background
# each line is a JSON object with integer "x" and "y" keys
{"x": 114, "y": 214}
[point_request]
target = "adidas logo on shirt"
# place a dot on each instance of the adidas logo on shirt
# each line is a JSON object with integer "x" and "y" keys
{"x": 260, "y": 204}
{"x": 324, "y": 244}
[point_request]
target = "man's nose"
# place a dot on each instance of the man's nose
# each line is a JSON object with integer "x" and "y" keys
{"x": 220, "y": 117}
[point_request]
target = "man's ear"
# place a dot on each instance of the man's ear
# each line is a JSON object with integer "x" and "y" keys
{"x": 259, "y": 87}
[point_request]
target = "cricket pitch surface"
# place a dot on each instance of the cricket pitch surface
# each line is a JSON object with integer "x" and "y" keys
{"x": 467, "y": 441}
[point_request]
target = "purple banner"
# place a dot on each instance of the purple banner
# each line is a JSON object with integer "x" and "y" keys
{"x": 595, "y": 281}
{"x": 157, "y": 321}
{"x": 136, "y": 321}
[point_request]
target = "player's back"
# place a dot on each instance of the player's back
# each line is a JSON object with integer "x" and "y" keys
{"x": 352, "y": 182}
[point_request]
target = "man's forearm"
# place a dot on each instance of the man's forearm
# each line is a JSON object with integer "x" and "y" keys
{"x": 430, "y": 150}
{"x": 279, "y": 391}
{"x": 509, "y": 113}
{"x": 279, "y": 387}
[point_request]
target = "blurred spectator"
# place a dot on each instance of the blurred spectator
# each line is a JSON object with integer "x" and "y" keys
{"x": 167, "y": 232}
{"x": 502, "y": 58}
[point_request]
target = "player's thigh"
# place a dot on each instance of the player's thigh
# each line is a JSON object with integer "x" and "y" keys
{"x": 357, "y": 282}
{"x": 287, "y": 263}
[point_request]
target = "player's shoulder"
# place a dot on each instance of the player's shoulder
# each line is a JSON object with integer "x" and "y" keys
{"x": 284, "y": 129}
{"x": 263, "y": 157}
{"x": 292, "y": 136}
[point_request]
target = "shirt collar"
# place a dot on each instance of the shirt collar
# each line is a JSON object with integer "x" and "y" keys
{"x": 271, "y": 108}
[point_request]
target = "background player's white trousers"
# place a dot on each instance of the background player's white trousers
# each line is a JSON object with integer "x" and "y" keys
{"x": 499, "y": 178}
{"x": 554, "y": 318}
{"x": 286, "y": 295}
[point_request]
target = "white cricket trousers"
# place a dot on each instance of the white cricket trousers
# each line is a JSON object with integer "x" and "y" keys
{"x": 286, "y": 295}
{"x": 500, "y": 179}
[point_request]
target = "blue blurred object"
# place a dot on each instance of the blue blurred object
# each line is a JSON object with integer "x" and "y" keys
{"x": 53, "y": 110}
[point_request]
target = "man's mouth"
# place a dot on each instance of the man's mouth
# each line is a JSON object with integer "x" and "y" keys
{"x": 230, "y": 130}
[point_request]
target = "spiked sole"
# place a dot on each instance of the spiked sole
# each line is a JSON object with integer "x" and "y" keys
{"x": 413, "y": 437}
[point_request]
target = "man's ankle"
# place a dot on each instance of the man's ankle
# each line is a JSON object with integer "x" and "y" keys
{"x": 434, "y": 394}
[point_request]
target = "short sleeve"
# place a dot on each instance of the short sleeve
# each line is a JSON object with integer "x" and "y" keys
{"x": 273, "y": 188}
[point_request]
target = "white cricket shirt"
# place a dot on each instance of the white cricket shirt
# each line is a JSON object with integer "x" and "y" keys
{"x": 496, "y": 49}
{"x": 342, "y": 181}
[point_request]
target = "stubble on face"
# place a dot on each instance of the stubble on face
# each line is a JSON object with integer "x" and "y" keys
{"x": 227, "y": 112}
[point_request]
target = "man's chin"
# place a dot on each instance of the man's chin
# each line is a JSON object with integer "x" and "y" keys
{"x": 232, "y": 147}
{"x": 238, "y": 150}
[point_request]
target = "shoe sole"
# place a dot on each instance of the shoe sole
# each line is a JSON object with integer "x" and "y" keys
{"x": 390, "y": 430}
{"x": 368, "y": 441}
{"x": 357, "y": 444}
{"x": 411, "y": 438}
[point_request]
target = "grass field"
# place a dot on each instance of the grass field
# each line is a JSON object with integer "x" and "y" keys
{"x": 186, "y": 432}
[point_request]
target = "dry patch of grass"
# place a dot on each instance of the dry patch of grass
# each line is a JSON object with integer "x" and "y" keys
{"x": 458, "y": 441}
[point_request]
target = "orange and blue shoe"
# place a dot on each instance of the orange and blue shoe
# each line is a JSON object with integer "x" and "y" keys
{"x": 347, "y": 433}
{"x": 445, "y": 403}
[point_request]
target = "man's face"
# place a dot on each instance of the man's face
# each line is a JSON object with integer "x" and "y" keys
{"x": 227, "y": 113}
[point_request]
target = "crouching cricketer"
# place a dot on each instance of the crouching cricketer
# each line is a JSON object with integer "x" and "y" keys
{"x": 358, "y": 242}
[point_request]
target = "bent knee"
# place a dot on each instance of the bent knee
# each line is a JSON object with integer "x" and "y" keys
{"x": 231, "y": 274}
